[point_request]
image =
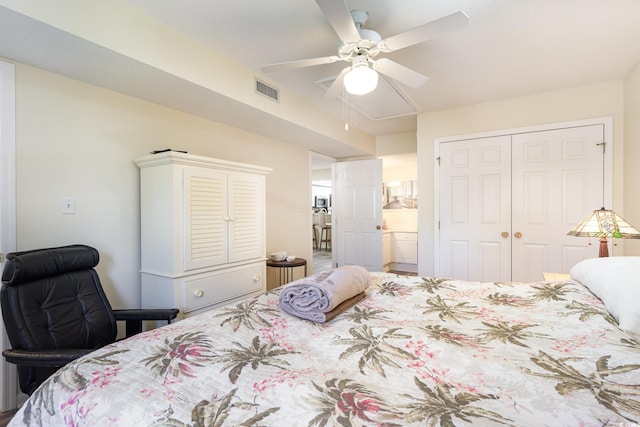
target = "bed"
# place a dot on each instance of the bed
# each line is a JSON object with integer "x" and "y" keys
{"x": 415, "y": 351}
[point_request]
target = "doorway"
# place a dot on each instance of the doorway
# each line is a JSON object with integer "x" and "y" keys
{"x": 400, "y": 213}
{"x": 321, "y": 209}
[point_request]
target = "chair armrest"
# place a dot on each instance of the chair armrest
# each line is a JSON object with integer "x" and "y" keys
{"x": 44, "y": 358}
{"x": 134, "y": 317}
{"x": 167, "y": 314}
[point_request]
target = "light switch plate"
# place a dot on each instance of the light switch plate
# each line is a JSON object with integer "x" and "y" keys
{"x": 68, "y": 205}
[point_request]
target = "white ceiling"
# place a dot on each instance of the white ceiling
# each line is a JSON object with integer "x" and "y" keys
{"x": 510, "y": 48}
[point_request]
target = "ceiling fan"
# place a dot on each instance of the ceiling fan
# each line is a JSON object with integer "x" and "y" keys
{"x": 361, "y": 46}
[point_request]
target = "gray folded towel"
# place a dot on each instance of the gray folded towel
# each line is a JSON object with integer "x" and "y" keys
{"x": 315, "y": 296}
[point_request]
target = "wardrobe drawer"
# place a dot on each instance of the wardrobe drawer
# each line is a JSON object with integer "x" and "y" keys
{"x": 218, "y": 287}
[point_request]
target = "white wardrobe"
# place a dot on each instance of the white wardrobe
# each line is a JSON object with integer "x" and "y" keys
{"x": 506, "y": 202}
{"x": 202, "y": 231}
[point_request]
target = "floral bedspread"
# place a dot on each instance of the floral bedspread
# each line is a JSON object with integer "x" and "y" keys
{"x": 416, "y": 351}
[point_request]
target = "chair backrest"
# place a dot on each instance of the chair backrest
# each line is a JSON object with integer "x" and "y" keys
{"x": 52, "y": 299}
{"x": 318, "y": 219}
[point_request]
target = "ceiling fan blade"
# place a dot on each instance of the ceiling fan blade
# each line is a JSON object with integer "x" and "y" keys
{"x": 399, "y": 72}
{"x": 339, "y": 17}
{"x": 335, "y": 90}
{"x": 428, "y": 31}
{"x": 290, "y": 65}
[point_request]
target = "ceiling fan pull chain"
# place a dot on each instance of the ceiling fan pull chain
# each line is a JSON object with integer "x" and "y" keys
{"x": 345, "y": 109}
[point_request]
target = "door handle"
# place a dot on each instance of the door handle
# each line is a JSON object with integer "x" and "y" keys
{"x": 378, "y": 227}
{"x": 505, "y": 234}
{"x": 517, "y": 235}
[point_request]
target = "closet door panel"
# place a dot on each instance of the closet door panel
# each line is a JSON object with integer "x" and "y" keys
{"x": 475, "y": 201}
{"x": 536, "y": 256}
{"x": 491, "y": 257}
{"x": 557, "y": 179}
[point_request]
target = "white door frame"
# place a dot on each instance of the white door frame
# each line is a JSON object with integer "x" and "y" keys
{"x": 9, "y": 388}
{"x": 608, "y": 178}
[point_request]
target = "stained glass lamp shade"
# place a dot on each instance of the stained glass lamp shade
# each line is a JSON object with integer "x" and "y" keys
{"x": 605, "y": 223}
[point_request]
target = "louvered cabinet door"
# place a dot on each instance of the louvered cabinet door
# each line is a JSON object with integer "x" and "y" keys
{"x": 206, "y": 218}
{"x": 246, "y": 217}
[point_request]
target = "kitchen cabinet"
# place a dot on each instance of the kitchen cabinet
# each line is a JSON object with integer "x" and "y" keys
{"x": 405, "y": 247}
{"x": 386, "y": 249}
{"x": 400, "y": 250}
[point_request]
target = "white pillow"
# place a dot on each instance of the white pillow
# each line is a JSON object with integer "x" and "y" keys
{"x": 616, "y": 281}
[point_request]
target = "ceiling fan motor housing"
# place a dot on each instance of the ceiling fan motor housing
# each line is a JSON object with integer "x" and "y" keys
{"x": 368, "y": 38}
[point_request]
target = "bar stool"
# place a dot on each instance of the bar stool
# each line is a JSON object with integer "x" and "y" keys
{"x": 315, "y": 236}
{"x": 325, "y": 231}
{"x": 325, "y": 236}
{"x": 316, "y": 228}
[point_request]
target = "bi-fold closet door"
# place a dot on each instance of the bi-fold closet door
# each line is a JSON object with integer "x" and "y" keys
{"x": 507, "y": 202}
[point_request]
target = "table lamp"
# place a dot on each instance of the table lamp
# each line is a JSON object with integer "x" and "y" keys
{"x": 604, "y": 223}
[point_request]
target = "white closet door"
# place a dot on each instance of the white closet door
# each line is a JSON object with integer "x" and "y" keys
{"x": 556, "y": 181}
{"x": 205, "y": 218}
{"x": 475, "y": 209}
{"x": 246, "y": 217}
{"x": 507, "y": 203}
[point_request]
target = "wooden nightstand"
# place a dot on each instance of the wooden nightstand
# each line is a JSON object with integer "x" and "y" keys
{"x": 285, "y": 273}
{"x": 550, "y": 277}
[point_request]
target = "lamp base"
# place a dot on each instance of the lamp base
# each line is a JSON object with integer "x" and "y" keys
{"x": 604, "y": 247}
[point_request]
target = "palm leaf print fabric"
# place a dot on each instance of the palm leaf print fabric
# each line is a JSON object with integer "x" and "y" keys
{"x": 417, "y": 351}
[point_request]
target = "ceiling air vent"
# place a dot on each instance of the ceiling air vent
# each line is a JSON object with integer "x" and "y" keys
{"x": 268, "y": 91}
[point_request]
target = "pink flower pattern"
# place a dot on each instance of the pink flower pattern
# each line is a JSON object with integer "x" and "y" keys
{"x": 171, "y": 374}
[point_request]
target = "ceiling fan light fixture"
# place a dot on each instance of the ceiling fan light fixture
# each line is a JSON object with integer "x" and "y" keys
{"x": 361, "y": 79}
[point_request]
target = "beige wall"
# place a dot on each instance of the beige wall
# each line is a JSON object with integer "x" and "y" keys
{"x": 143, "y": 40}
{"x": 598, "y": 100}
{"x": 78, "y": 140}
{"x": 400, "y": 167}
{"x": 321, "y": 174}
{"x": 632, "y": 155}
{"x": 396, "y": 144}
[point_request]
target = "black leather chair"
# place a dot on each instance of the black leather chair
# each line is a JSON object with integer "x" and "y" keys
{"x": 55, "y": 310}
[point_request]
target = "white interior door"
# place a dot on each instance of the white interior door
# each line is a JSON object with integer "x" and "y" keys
{"x": 357, "y": 214}
{"x": 475, "y": 209}
{"x": 8, "y": 377}
{"x": 556, "y": 181}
